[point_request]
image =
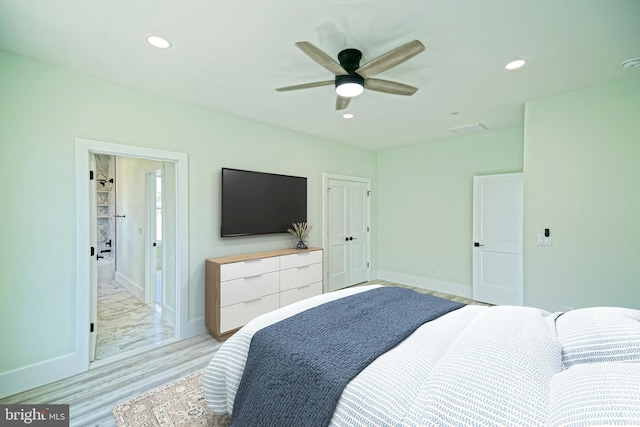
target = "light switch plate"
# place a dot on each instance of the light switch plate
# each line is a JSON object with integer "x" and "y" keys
{"x": 544, "y": 240}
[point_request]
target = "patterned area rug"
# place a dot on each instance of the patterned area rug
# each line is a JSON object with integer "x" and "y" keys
{"x": 180, "y": 403}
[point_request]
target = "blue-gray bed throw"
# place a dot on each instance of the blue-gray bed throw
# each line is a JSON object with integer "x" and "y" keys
{"x": 297, "y": 368}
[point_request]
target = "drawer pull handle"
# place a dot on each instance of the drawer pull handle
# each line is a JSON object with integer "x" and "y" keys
{"x": 253, "y": 300}
{"x": 253, "y": 277}
{"x": 249, "y": 261}
{"x": 304, "y": 266}
{"x": 305, "y": 286}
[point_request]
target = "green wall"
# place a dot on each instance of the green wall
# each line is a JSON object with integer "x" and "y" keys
{"x": 425, "y": 203}
{"x": 581, "y": 156}
{"x": 43, "y": 109}
{"x": 582, "y": 181}
{"x": 131, "y": 202}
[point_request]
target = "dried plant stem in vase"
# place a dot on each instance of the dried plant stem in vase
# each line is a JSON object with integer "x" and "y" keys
{"x": 300, "y": 230}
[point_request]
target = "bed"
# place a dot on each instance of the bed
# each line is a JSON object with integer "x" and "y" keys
{"x": 473, "y": 365}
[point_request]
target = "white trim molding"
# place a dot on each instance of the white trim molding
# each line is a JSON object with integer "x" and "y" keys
{"x": 35, "y": 375}
{"x": 131, "y": 286}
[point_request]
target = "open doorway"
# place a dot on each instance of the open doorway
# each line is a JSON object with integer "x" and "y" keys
{"x": 173, "y": 173}
{"x": 131, "y": 311}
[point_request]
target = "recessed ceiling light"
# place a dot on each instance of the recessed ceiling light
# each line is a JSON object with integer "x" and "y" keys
{"x": 514, "y": 65}
{"x": 159, "y": 42}
{"x": 347, "y": 116}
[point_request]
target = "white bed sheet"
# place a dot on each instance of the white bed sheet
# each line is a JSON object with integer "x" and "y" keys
{"x": 474, "y": 366}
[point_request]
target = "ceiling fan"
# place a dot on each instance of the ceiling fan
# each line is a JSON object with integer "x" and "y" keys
{"x": 351, "y": 78}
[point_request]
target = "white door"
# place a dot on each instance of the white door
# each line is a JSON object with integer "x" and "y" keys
{"x": 497, "y": 238}
{"x": 93, "y": 267}
{"x": 347, "y": 260}
{"x": 153, "y": 273}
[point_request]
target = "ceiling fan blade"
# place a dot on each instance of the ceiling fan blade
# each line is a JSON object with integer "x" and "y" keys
{"x": 387, "y": 86}
{"x": 391, "y": 59}
{"x": 305, "y": 86}
{"x": 322, "y": 58}
{"x": 342, "y": 102}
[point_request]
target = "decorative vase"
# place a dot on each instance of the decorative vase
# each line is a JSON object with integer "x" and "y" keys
{"x": 301, "y": 245}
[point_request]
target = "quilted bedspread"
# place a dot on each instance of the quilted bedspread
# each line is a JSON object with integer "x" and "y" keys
{"x": 499, "y": 366}
{"x": 312, "y": 356}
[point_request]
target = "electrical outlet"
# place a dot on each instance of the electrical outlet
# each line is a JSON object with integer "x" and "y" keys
{"x": 434, "y": 269}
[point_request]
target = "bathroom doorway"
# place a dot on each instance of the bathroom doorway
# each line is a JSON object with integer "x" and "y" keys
{"x": 131, "y": 311}
{"x": 130, "y": 227}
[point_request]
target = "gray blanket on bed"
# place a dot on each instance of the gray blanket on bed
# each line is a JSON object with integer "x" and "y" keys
{"x": 297, "y": 368}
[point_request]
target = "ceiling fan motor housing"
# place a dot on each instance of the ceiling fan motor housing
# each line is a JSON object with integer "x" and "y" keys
{"x": 350, "y": 61}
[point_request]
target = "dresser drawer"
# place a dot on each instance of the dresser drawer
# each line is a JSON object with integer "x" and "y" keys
{"x": 236, "y": 270}
{"x": 298, "y": 294}
{"x": 299, "y": 276}
{"x": 248, "y": 288}
{"x": 300, "y": 259}
{"x": 237, "y": 315}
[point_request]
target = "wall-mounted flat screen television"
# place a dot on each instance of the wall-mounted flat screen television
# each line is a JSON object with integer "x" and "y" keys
{"x": 261, "y": 203}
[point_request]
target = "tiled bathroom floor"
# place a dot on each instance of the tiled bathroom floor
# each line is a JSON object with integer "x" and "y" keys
{"x": 125, "y": 323}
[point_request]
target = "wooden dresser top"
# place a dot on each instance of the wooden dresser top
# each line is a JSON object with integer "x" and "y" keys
{"x": 258, "y": 255}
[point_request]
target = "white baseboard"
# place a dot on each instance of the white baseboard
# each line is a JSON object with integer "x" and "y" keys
{"x": 451, "y": 288}
{"x": 169, "y": 316}
{"x": 373, "y": 274}
{"x": 193, "y": 328}
{"x": 131, "y": 286}
{"x": 39, "y": 374}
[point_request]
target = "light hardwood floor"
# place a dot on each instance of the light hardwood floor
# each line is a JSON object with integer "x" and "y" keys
{"x": 426, "y": 291}
{"x": 91, "y": 395}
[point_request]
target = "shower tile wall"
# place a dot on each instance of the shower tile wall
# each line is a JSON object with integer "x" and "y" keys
{"x": 105, "y": 170}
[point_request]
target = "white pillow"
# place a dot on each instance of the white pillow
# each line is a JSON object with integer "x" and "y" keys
{"x": 599, "y": 334}
{"x": 596, "y": 394}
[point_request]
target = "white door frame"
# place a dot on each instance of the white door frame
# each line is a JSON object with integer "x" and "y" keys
{"x": 325, "y": 226}
{"x": 83, "y": 149}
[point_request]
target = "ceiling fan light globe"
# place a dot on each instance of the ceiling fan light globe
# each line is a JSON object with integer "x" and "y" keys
{"x": 349, "y": 90}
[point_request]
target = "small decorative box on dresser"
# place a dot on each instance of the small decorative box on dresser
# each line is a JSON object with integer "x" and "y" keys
{"x": 241, "y": 287}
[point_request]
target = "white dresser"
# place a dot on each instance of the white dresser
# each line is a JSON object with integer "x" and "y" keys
{"x": 241, "y": 287}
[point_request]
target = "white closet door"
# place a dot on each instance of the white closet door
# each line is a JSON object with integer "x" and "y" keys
{"x": 348, "y": 233}
{"x": 358, "y": 225}
{"x": 337, "y": 264}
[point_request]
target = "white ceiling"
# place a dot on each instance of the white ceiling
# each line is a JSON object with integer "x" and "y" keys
{"x": 230, "y": 56}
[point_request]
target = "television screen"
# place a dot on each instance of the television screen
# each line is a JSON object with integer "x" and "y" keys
{"x": 261, "y": 203}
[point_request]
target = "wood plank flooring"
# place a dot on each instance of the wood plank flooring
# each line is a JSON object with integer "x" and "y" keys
{"x": 92, "y": 394}
{"x": 426, "y": 291}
